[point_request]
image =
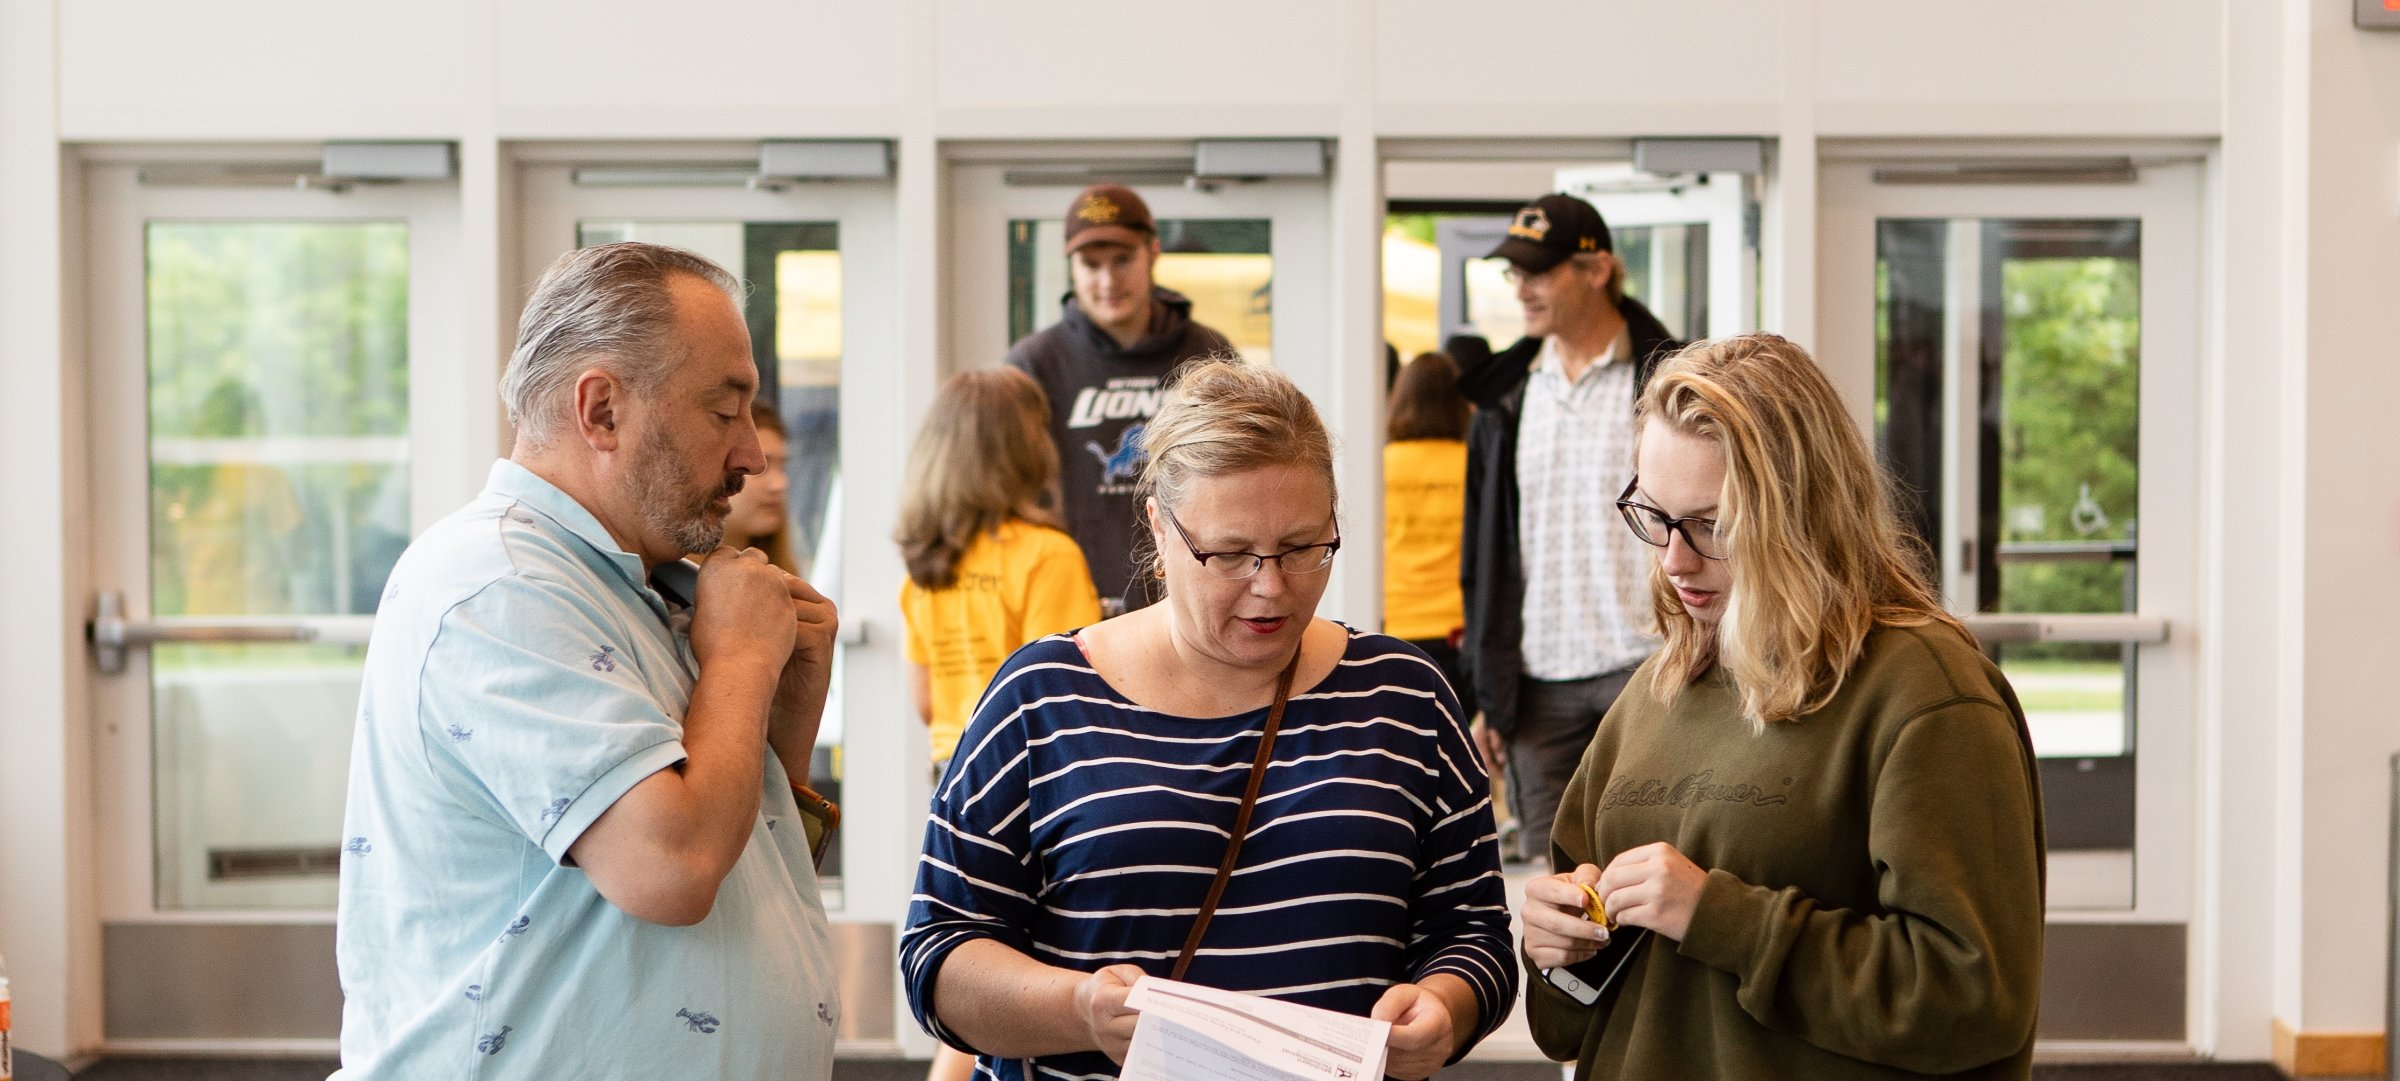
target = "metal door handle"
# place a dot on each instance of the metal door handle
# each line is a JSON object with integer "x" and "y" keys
{"x": 2077, "y": 627}
{"x": 112, "y": 634}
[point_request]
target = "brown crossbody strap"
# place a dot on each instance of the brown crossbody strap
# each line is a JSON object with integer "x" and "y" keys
{"x": 1241, "y": 818}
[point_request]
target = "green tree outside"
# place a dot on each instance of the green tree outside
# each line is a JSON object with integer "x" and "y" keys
{"x": 260, "y": 332}
{"x": 2070, "y": 426}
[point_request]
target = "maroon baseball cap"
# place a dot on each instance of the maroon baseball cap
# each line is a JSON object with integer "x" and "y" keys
{"x": 1109, "y": 214}
{"x": 1551, "y": 230}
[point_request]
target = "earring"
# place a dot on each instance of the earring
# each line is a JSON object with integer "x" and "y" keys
{"x": 1159, "y": 571}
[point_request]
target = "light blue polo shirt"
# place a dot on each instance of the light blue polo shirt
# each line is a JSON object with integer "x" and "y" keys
{"x": 521, "y": 678}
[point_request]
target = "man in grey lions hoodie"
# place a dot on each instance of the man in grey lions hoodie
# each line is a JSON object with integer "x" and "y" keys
{"x": 1102, "y": 365}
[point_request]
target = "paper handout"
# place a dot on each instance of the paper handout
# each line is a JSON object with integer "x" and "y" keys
{"x": 1192, "y": 1033}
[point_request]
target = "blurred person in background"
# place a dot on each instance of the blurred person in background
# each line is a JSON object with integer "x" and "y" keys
{"x": 761, "y": 515}
{"x": 1555, "y": 621}
{"x": 1425, "y": 508}
{"x": 988, "y": 568}
{"x": 1424, "y": 512}
{"x": 1101, "y": 365}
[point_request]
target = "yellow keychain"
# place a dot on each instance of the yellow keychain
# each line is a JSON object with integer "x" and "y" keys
{"x": 1595, "y": 909}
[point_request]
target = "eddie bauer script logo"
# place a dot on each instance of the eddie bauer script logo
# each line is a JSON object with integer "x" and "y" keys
{"x": 1694, "y": 788}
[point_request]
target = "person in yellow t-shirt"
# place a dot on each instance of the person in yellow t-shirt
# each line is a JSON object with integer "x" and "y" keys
{"x": 1424, "y": 513}
{"x": 988, "y": 568}
{"x": 1424, "y": 509}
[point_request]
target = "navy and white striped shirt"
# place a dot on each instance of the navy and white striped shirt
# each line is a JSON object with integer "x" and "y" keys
{"x": 1083, "y": 830}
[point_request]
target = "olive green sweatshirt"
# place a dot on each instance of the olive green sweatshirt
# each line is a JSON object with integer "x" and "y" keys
{"x": 1875, "y": 888}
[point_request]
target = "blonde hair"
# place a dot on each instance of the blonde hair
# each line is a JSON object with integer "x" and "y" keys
{"x": 1222, "y": 416}
{"x": 983, "y": 457}
{"x": 1820, "y": 558}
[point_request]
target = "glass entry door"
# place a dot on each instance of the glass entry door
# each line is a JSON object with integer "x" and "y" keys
{"x": 800, "y": 253}
{"x": 2025, "y": 356}
{"x": 821, "y": 272}
{"x": 2036, "y": 494}
{"x": 271, "y": 376}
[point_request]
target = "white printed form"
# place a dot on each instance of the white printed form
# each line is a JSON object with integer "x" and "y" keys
{"x": 1192, "y": 1033}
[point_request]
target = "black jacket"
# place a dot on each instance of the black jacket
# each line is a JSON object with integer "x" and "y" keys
{"x": 1490, "y": 570}
{"x": 1101, "y": 396}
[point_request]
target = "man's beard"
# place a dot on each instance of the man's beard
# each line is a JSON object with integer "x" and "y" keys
{"x": 671, "y": 503}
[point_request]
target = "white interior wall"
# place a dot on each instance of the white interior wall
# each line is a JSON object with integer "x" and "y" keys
{"x": 1055, "y": 54}
{"x": 265, "y": 69}
{"x": 2299, "y": 743}
{"x": 155, "y": 69}
{"x": 2347, "y": 536}
{"x": 1588, "y": 67}
{"x": 2288, "y": 494}
{"x": 46, "y": 863}
{"x": 2249, "y": 952}
{"x": 2018, "y": 69}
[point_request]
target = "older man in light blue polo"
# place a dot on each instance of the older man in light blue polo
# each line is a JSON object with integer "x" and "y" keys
{"x": 572, "y": 845}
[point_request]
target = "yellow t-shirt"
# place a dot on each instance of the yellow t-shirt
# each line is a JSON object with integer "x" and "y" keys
{"x": 1424, "y": 509}
{"x": 1015, "y": 584}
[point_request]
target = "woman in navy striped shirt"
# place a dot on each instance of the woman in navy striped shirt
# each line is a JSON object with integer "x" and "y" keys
{"x": 1089, "y": 804}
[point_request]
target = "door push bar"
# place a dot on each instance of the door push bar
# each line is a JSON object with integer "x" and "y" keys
{"x": 112, "y": 634}
{"x": 2092, "y": 627}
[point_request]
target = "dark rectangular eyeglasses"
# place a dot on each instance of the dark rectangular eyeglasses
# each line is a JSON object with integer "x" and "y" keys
{"x": 1306, "y": 559}
{"x": 1656, "y": 528}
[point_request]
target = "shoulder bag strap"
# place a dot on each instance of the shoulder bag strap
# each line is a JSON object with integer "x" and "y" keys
{"x": 1241, "y": 818}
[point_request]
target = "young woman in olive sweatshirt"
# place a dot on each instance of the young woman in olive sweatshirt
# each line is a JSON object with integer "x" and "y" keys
{"x": 1813, "y": 817}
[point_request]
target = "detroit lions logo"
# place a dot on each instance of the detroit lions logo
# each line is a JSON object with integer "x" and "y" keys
{"x": 1123, "y": 463}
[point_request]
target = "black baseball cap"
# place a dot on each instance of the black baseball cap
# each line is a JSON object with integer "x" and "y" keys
{"x": 1549, "y": 230}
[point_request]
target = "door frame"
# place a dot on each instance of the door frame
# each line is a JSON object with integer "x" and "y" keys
{"x": 552, "y": 204}
{"x": 881, "y": 822}
{"x": 2168, "y": 198}
{"x": 445, "y": 461}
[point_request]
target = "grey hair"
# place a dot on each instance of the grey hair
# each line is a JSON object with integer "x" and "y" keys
{"x": 1223, "y": 415}
{"x": 606, "y": 306}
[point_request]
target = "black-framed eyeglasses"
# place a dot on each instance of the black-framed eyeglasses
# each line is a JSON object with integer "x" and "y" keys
{"x": 1655, "y": 528}
{"x": 1305, "y": 559}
